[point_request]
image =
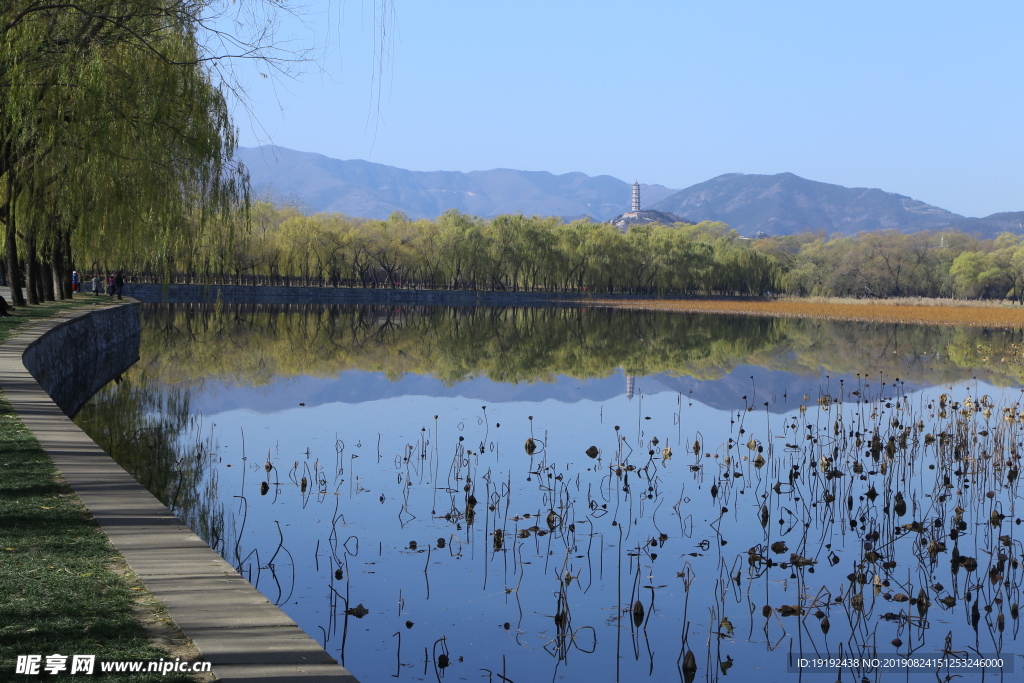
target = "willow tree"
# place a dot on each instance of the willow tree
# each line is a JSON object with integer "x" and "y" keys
{"x": 115, "y": 136}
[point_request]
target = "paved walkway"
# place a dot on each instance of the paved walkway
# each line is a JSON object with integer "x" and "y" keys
{"x": 243, "y": 635}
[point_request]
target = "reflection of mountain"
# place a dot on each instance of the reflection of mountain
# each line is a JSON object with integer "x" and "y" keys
{"x": 783, "y": 391}
{"x": 354, "y": 386}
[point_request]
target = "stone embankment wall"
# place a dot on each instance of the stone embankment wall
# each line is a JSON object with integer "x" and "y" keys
{"x": 77, "y": 358}
{"x": 240, "y": 294}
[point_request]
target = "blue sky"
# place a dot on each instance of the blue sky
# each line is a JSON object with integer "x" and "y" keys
{"x": 921, "y": 98}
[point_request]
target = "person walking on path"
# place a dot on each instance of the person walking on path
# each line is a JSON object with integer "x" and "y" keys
{"x": 74, "y": 281}
{"x": 119, "y": 284}
{"x": 110, "y": 285}
{"x": 96, "y": 284}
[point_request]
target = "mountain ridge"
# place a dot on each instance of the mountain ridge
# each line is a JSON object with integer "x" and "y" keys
{"x": 778, "y": 204}
{"x": 366, "y": 189}
{"x": 785, "y": 203}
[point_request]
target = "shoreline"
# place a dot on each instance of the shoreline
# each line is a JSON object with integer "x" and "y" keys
{"x": 916, "y": 311}
{"x": 236, "y": 630}
{"x": 946, "y": 312}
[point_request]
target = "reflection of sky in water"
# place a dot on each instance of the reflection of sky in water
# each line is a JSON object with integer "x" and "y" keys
{"x": 391, "y": 474}
{"x": 354, "y": 386}
{"x": 468, "y": 601}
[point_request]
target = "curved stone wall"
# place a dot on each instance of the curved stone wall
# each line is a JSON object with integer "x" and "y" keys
{"x": 242, "y": 294}
{"x": 78, "y": 357}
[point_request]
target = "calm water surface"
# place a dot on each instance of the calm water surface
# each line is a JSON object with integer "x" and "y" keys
{"x": 563, "y": 494}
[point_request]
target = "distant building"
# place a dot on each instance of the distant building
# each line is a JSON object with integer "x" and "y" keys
{"x": 637, "y": 216}
{"x": 635, "y": 210}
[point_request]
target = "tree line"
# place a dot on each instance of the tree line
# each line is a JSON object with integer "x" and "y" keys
{"x": 280, "y": 245}
{"x": 884, "y": 264}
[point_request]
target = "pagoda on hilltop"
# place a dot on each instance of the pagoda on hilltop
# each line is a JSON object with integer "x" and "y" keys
{"x": 634, "y": 211}
{"x": 636, "y": 216}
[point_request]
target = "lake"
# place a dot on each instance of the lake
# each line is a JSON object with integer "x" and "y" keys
{"x": 530, "y": 494}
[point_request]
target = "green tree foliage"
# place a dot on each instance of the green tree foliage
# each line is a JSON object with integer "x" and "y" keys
{"x": 517, "y": 253}
{"x": 514, "y": 253}
{"x": 115, "y": 135}
{"x": 893, "y": 264}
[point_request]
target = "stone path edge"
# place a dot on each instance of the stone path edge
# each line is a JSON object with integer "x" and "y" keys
{"x": 242, "y": 634}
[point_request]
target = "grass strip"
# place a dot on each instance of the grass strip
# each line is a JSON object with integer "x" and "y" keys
{"x": 31, "y": 314}
{"x": 883, "y": 311}
{"x": 58, "y": 591}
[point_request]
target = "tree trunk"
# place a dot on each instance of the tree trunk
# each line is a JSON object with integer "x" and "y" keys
{"x": 32, "y": 271}
{"x": 63, "y": 264}
{"x": 13, "y": 273}
{"x": 56, "y": 278}
{"x": 47, "y": 281}
{"x": 41, "y": 275}
{"x": 57, "y": 274}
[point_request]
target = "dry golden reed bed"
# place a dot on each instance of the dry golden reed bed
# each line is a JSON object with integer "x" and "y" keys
{"x": 915, "y": 311}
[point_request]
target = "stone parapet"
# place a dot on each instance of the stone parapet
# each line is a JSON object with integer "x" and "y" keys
{"x": 79, "y": 356}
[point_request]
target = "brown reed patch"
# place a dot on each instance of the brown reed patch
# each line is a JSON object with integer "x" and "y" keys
{"x": 877, "y": 310}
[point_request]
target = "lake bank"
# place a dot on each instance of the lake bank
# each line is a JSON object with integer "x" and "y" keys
{"x": 909, "y": 311}
{"x": 912, "y": 310}
{"x": 67, "y": 585}
{"x": 235, "y": 629}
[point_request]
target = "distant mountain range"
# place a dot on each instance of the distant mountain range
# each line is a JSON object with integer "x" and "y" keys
{"x": 780, "y": 204}
{"x": 784, "y": 204}
{"x": 369, "y": 190}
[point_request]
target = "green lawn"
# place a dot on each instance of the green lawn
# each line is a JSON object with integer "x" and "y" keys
{"x": 58, "y": 593}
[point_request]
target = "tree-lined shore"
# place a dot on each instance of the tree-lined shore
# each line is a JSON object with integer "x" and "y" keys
{"x": 283, "y": 246}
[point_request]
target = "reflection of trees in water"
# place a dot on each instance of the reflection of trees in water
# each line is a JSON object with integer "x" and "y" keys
{"x": 252, "y": 344}
{"x": 923, "y": 354}
{"x": 148, "y": 429}
{"x": 874, "y": 513}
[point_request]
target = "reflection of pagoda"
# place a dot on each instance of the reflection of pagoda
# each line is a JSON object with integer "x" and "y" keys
{"x": 630, "y": 385}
